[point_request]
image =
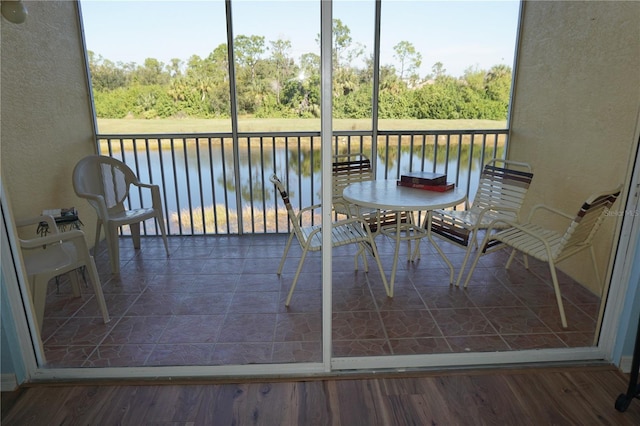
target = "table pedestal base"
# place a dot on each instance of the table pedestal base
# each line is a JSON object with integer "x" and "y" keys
{"x": 409, "y": 231}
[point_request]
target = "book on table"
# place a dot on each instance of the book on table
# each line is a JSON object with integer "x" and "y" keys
{"x": 448, "y": 186}
{"x": 424, "y": 178}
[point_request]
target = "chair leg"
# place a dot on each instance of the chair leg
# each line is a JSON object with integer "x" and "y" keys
{"x": 376, "y": 256}
{"x": 511, "y": 257}
{"x": 394, "y": 268}
{"x": 135, "y": 234}
{"x": 595, "y": 265}
{"x": 163, "y": 231}
{"x": 75, "y": 283}
{"x": 284, "y": 255}
{"x": 97, "y": 240}
{"x": 470, "y": 245}
{"x": 97, "y": 288}
{"x": 39, "y": 294}
{"x": 410, "y": 254}
{"x": 463, "y": 266}
{"x": 525, "y": 259}
{"x": 114, "y": 248}
{"x": 603, "y": 292}
{"x": 556, "y": 288}
{"x": 476, "y": 259}
{"x": 416, "y": 252}
{"x": 295, "y": 278}
{"x": 361, "y": 253}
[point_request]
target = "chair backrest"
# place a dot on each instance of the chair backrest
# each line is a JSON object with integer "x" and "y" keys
{"x": 105, "y": 176}
{"x": 293, "y": 219}
{"x": 503, "y": 186}
{"x": 347, "y": 169}
{"x": 586, "y": 223}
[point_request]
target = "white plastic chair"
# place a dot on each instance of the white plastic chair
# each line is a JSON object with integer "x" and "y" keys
{"x": 549, "y": 246}
{"x": 55, "y": 254}
{"x": 501, "y": 192}
{"x": 348, "y": 231}
{"x": 106, "y": 182}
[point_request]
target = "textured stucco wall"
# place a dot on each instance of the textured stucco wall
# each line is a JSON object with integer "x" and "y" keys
{"x": 45, "y": 105}
{"x": 576, "y": 108}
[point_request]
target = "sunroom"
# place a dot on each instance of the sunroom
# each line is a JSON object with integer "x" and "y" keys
{"x": 573, "y": 117}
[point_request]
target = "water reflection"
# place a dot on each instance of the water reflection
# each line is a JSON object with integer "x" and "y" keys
{"x": 197, "y": 174}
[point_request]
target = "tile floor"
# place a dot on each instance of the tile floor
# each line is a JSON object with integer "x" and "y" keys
{"x": 218, "y": 300}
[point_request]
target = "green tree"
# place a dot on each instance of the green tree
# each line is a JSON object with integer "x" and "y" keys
{"x": 275, "y": 86}
{"x": 248, "y": 51}
{"x": 249, "y": 88}
{"x": 175, "y": 68}
{"x": 438, "y": 71}
{"x": 409, "y": 60}
{"x": 151, "y": 73}
{"x": 498, "y": 83}
{"x": 475, "y": 78}
{"x": 284, "y": 67}
{"x": 345, "y": 53}
{"x": 105, "y": 75}
{"x": 301, "y": 93}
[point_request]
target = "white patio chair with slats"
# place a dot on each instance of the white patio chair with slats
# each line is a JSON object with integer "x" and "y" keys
{"x": 501, "y": 192}
{"x": 351, "y": 168}
{"x": 347, "y": 169}
{"x": 353, "y": 230}
{"x": 547, "y": 245}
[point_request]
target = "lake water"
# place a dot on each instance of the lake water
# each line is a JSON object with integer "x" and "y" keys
{"x": 194, "y": 178}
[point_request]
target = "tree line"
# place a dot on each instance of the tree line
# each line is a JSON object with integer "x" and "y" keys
{"x": 271, "y": 84}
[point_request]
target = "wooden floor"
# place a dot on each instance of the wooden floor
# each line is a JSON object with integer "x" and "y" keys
{"x": 535, "y": 396}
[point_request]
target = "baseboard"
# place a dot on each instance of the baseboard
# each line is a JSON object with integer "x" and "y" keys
{"x": 8, "y": 382}
{"x": 625, "y": 364}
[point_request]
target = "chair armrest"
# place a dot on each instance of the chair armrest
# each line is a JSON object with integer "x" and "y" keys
{"x": 340, "y": 204}
{"x": 348, "y": 209}
{"x": 310, "y": 208}
{"x": 538, "y": 207}
{"x": 348, "y": 221}
{"x": 98, "y": 200}
{"x": 53, "y": 238}
{"x": 497, "y": 208}
{"x": 489, "y": 236}
{"x": 155, "y": 193}
{"x": 35, "y": 220}
{"x": 353, "y": 220}
{"x": 145, "y": 185}
{"x": 524, "y": 230}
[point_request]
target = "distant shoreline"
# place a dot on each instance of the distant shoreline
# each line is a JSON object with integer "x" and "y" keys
{"x": 194, "y": 125}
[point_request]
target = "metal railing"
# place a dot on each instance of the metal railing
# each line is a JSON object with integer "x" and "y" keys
{"x": 196, "y": 172}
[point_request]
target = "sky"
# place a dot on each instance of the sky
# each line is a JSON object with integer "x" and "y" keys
{"x": 459, "y": 34}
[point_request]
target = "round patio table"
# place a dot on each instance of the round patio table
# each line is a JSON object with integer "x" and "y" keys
{"x": 388, "y": 195}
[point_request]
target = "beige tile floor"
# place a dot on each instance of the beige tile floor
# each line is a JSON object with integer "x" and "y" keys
{"x": 218, "y": 300}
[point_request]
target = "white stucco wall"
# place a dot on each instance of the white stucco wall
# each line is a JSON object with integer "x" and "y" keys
{"x": 576, "y": 108}
{"x": 45, "y": 105}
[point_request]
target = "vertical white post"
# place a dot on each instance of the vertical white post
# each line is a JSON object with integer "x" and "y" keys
{"x": 326, "y": 131}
